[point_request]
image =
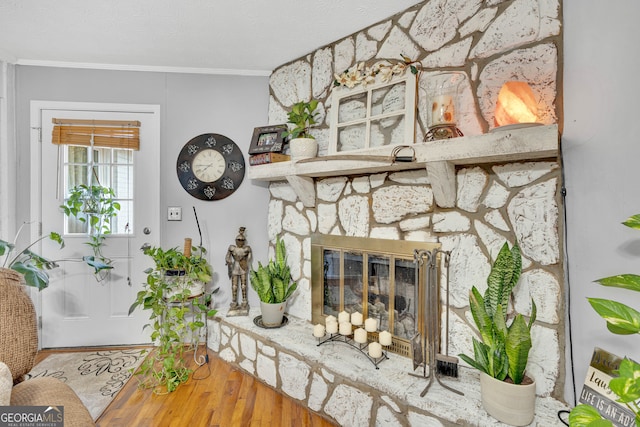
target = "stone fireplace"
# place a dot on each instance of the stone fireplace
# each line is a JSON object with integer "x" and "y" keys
{"x": 469, "y": 195}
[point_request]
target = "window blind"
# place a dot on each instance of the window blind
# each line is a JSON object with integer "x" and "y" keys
{"x": 105, "y": 133}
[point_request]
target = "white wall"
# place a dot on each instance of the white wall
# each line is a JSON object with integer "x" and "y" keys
{"x": 191, "y": 104}
{"x": 601, "y": 145}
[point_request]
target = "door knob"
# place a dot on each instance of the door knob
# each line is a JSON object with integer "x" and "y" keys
{"x": 146, "y": 230}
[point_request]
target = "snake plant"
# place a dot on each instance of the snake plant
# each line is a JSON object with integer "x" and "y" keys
{"x": 272, "y": 282}
{"x": 503, "y": 351}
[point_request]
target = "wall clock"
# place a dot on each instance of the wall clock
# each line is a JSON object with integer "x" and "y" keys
{"x": 210, "y": 167}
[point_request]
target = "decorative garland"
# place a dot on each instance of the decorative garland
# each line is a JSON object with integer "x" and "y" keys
{"x": 361, "y": 74}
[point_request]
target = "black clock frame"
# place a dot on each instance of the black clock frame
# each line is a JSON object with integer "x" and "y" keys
{"x": 224, "y": 186}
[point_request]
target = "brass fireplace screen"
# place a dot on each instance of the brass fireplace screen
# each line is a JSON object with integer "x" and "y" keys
{"x": 340, "y": 266}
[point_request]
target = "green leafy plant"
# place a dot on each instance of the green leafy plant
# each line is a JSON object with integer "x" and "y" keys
{"x": 28, "y": 263}
{"x": 175, "y": 316}
{"x": 503, "y": 352}
{"x": 302, "y": 116}
{"x": 621, "y": 320}
{"x": 273, "y": 282}
{"x": 96, "y": 206}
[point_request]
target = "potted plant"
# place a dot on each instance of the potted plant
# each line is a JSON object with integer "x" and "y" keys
{"x": 302, "y": 116}
{"x": 274, "y": 286}
{"x": 622, "y": 320}
{"x": 503, "y": 351}
{"x": 26, "y": 262}
{"x": 177, "y": 312}
{"x": 96, "y": 206}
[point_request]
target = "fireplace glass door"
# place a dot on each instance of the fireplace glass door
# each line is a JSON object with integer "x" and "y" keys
{"x": 375, "y": 277}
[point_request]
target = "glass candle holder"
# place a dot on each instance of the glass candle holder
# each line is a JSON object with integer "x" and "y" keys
{"x": 443, "y": 92}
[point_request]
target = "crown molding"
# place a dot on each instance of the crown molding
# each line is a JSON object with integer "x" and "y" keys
{"x": 147, "y": 68}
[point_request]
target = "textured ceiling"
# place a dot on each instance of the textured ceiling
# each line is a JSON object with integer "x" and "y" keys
{"x": 236, "y": 36}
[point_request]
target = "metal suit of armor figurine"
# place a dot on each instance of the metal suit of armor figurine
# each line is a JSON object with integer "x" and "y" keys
{"x": 237, "y": 261}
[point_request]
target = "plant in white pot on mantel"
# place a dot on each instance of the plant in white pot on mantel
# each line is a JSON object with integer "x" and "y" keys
{"x": 502, "y": 355}
{"x": 302, "y": 116}
{"x": 274, "y": 286}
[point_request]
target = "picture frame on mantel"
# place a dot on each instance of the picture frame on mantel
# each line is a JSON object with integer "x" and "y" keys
{"x": 268, "y": 139}
{"x": 378, "y": 114}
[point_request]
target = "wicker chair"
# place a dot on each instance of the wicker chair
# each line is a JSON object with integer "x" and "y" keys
{"x": 18, "y": 348}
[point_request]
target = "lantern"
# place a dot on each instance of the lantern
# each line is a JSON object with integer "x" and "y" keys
{"x": 443, "y": 91}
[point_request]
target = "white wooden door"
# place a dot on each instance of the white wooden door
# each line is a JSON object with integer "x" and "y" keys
{"x": 77, "y": 309}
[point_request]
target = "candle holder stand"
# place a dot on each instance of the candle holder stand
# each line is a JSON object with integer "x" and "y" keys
{"x": 442, "y": 132}
{"x": 347, "y": 339}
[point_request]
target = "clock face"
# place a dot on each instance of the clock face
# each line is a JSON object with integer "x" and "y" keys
{"x": 210, "y": 167}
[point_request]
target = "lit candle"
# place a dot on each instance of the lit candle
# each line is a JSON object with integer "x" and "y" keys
{"x": 332, "y": 327}
{"x": 330, "y": 319}
{"x": 360, "y": 336}
{"x": 375, "y": 350}
{"x": 343, "y": 317}
{"x": 318, "y": 331}
{"x": 345, "y": 328}
{"x": 356, "y": 318}
{"x": 385, "y": 338}
{"x": 371, "y": 325}
{"x": 442, "y": 111}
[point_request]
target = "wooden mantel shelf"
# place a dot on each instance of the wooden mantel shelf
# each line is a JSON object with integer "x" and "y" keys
{"x": 438, "y": 157}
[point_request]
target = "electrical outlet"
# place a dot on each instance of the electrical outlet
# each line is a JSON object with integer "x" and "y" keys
{"x": 174, "y": 213}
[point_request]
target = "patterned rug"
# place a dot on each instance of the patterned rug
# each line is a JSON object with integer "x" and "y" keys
{"x": 95, "y": 376}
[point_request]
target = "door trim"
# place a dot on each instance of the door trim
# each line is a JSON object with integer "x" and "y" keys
{"x": 35, "y": 149}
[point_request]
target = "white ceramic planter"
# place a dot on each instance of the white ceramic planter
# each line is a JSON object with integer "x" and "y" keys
{"x": 272, "y": 314}
{"x": 513, "y": 404}
{"x": 180, "y": 283}
{"x": 302, "y": 148}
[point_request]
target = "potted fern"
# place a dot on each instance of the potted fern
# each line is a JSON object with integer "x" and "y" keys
{"x": 274, "y": 286}
{"x": 302, "y": 116}
{"x": 503, "y": 351}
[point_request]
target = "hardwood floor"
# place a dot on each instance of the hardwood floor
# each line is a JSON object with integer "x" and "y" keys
{"x": 218, "y": 394}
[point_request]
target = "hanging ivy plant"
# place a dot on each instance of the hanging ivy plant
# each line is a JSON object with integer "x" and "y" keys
{"x": 96, "y": 206}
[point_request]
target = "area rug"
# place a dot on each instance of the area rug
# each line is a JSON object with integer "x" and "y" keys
{"x": 95, "y": 376}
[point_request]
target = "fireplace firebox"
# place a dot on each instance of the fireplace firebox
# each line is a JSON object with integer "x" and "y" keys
{"x": 378, "y": 278}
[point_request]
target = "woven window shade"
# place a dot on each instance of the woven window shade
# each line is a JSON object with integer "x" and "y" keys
{"x": 106, "y": 133}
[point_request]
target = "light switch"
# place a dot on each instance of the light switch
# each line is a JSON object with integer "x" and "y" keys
{"x": 174, "y": 213}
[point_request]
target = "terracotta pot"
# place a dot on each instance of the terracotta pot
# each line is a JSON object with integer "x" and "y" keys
{"x": 302, "y": 148}
{"x": 512, "y": 404}
{"x": 272, "y": 314}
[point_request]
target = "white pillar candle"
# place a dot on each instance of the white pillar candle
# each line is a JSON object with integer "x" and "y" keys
{"x": 318, "y": 331}
{"x": 356, "y": 318}
{"x": 332, "y": 327}
{"x": 442, "y": 110}
{"x": 345, "y": 328}
{"x": 360, "y": 336}
{"x": 343, "y": 317}
{"x": 385, "y": 338}
{"x": 375, "y": 350}
{"x": 371, "y": 325}
{"x": 330, "y": 319}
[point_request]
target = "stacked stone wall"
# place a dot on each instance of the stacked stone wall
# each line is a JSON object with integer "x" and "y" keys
{"x": 491, "y": 42}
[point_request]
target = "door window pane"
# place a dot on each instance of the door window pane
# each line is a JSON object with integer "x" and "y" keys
{"x": 107, "y": 167}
